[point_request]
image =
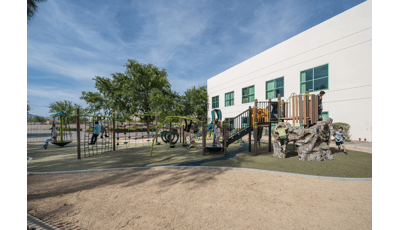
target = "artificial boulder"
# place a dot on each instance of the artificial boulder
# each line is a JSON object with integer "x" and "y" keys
{"x": 312, "y": 144}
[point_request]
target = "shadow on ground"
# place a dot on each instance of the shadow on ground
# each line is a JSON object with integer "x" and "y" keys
{"x": 355, "y": 164}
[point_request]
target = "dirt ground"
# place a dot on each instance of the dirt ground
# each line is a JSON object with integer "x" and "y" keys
{"x": 198, "y": 199}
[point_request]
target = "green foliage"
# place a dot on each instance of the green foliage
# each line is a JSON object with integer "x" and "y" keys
{"x": 32, "y": 8}
{"x": 37, "y": 119}
{"x": 194, "y": 102}
{"x": 131, "y": 92}
{"x": 346, "y": 129}
{"x": 67, "y": 107}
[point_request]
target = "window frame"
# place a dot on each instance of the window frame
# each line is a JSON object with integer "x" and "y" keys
{"x": 215, "y": 103}
{"x": 231, "y": 100}
{"x": 248, "y": 94}
{"x": 275, "y": 88}
{"x": 313, "y": 80}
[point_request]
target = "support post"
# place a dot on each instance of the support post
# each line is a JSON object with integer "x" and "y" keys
{"x": 249, "y": 125}
{"x": 78, "y": 134}
{"x": 269, "y": 109}
{"x": 255, "y": 128}
{"x": 311, "y": 109}
{"x": 170, "y": 133}
{"x": 180, "y": 130}
{"x": 307, "y": 109}
{"x": 270, "y": 138}
{"x": 113, "y": 128}
{"x": 225, "y": 133}
{"x": 293, "y": 109}
{"x": 203, "y": 135}
{"x": 155, "y": 129}
{"x": 279, "y": 108}
{"x": 300, "y": 110}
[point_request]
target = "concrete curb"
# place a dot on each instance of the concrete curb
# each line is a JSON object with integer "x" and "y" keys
{"x": 34, "y": 222}
{"x": 206, "y": 167}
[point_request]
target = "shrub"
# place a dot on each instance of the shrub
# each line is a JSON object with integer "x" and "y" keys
{"x": 345, "y": 126}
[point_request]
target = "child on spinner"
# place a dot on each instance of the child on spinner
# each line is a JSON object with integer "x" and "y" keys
{"x": 96, "y": 132}
{"x": 338, "y": 135}
{"x": 46, "y": 142}
{"x": 54, "y": 132}
{"x": 192, "y": 141}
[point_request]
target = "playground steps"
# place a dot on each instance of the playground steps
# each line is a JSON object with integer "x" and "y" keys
{"x": 239, "y": 135}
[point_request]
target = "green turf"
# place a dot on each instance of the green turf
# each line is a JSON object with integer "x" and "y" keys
{"x": 355, "y": 164}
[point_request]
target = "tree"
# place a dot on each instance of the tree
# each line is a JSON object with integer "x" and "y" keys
{"x": 29, "y": 107}
{"x": 131, "y": 92}
{"x": 195, "y": 102}
{"x": 37, "y": 119}
{"x": 32, "y": 8}
{"x": 67, "y": 107}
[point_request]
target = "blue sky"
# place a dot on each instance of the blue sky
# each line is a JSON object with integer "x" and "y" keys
{"x": 71, "y": 42}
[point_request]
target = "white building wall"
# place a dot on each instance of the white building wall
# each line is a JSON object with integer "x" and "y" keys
{"x": 344, "y": 42}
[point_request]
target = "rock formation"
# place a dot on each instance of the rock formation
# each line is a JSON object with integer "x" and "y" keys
{"x": 312, "y": 144}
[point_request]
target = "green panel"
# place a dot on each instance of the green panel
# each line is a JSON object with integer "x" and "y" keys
{"x": 279, "y": 82}
{"x": 270, "y": 94}
{"x": 279, "y": 91}
{"x": 270, "y": 85}
{"x": 321, "y": 71}
{"x": 306, "y": 75}
{"x": 321, "y": 84}
{"x": 325, "y": 114}
{"x": 251, "y": 90}
{"x": 251, "y": 98}
{"x": 302, "y": 76}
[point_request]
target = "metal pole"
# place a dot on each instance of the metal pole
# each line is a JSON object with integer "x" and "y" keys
{"x": 203, "y": 132}
{"x": 113, "y": 125}
{"x": 155, "y": 129}
{"x": 78, "y": 134}
{"x": 255, "y": 128}
{"x": 225, "y": 137}
{"x": 249, "y": 125}
{"x": 170, "y": 133}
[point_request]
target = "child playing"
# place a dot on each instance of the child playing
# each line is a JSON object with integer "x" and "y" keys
{"x": 102, "y": 128}
{"x": 96, "y": 132}
{"x": 218, "y": 134}
{"x": 54, "y": 132}
{"x": 282, "y": 136}
{"x": 192, "y": 141}
{"x": 46, "y": 142}
{"x": 338, "y": 135}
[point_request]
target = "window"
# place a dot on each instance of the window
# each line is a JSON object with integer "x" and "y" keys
{"x": 273, "y": 88}
{"x": 248, "y": 94}
{"x": 229, "y": 99}
{"x": 314, "y": 79}
{"x": 325, "y": 114}
{"x": 215, "y": 102}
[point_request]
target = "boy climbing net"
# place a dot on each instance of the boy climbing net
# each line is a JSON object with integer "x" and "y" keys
{"x": 282, "y": 136}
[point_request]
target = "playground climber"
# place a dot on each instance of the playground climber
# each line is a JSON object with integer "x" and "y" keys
{"x": 338, "y": 135}
{"x": 96, "y": 132}
{"x": 192, "y": 141}
{"x": 322, "y": 93}
{"x": 282, "y": 136}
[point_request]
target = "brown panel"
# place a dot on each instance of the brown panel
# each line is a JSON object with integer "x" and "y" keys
{"x": 300, "y": 110}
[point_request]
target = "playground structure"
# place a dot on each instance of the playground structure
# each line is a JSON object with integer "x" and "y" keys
{"x": 301, "y": 110}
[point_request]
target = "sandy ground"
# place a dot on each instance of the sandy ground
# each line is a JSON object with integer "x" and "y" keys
{"x": 198, "y": 199}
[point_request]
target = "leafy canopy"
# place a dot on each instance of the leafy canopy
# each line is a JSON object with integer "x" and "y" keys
{"x": 65, "y": 106}
{"x": 32, "y": 8}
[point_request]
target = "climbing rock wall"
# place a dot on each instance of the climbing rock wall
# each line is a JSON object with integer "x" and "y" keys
{"x": 312, "y": 144}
